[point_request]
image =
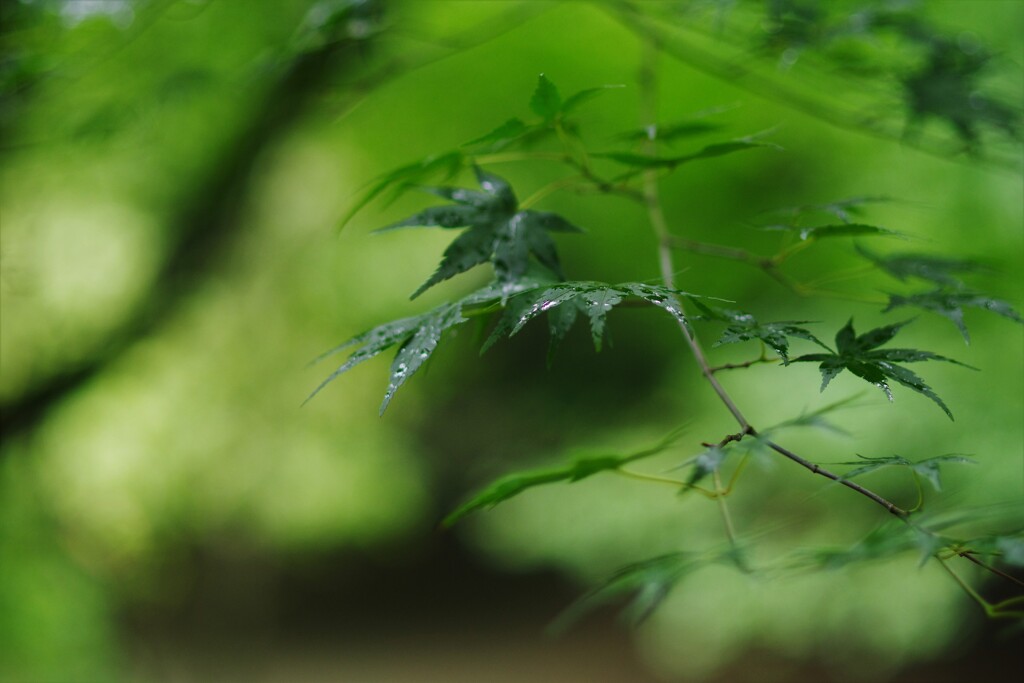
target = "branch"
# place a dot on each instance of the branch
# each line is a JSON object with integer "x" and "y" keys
{"x": 660, "y": 226}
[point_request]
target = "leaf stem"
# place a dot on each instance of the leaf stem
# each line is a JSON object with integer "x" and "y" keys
{"x": 920, "y": 492}
{"x": 723, "y": 508}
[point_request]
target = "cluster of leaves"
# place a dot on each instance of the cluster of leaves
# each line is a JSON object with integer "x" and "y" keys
{"x": 553, "y": 115}
{"x": 418, "y": 336}
{"x": 644, "y": 585}
{"x": 554, "y": 119}
{"x": 498, "y": 231}
{"x": 515, "y": 240}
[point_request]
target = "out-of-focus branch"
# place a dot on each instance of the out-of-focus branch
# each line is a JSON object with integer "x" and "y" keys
{"x": 202, "y": 228}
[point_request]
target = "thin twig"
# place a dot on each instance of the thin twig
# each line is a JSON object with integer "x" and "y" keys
{"x": 723, "y": 508}
{"x": 660, "y": 225}
{"x": 818, "y": 469}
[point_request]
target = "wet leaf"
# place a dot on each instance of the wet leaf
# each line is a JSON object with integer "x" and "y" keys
{"x": 745, "y": 327}
{"x": 580, "y": 468}
{"x": 498, "y": 232}
{"x": 950, "y": 305}
{"x": 594, "y": 299}
{"x": 416, "y": 338}
{"x": 859, "y": 355}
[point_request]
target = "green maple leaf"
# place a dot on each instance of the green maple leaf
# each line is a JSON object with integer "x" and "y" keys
{"x": 860, "y": 355}
{"x": 950, "y": 304}
{"x": 547, "y": 103}
{"x": 416, "y": 337}
{"x": 743, "y": 327}
{"x": 496, "y": 232}
{"x": 564, "y": 302}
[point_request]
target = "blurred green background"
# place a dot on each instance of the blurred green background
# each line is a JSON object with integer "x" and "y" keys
{"x": 173, "y": 176}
